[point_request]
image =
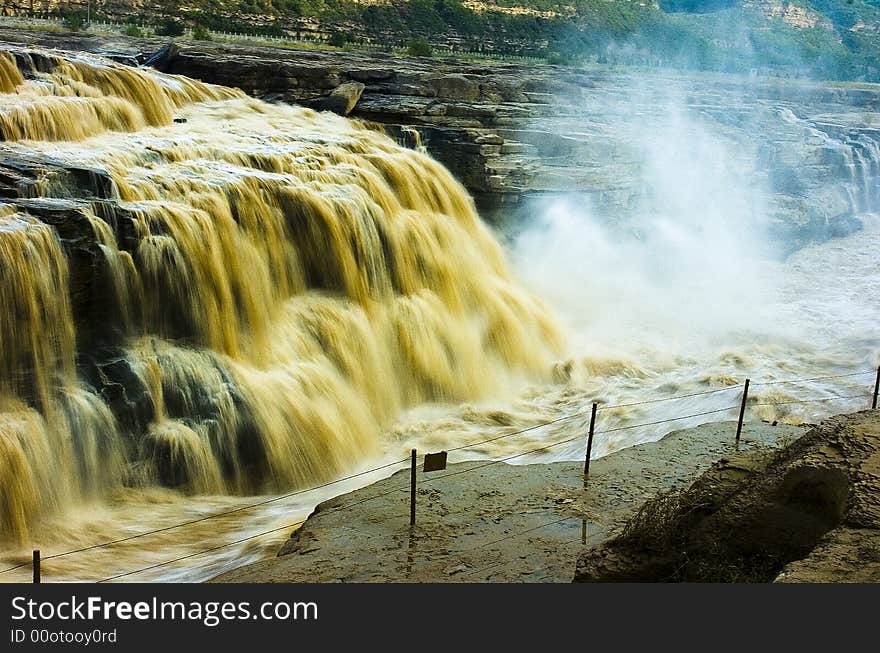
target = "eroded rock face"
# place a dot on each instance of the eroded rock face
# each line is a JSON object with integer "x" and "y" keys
{"x": 809, "y": 513}
{"x": 85, "y": 192}
{"x": 810, "y": 153}
{"x": 514, "y": 132}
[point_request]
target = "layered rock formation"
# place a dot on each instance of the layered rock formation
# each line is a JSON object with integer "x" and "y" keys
{"x": 510, "y": 132}
{"x": 811, "y": 152}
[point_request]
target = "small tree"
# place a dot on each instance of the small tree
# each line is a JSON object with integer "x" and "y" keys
{"x": 559, "y": 59}
{"x": 170, "y": 27}
{"x": 133, "y": 31}
{"x": 419, "y": 47}
{"x": 74, "y": 20}
{"x": 275, "y": 29}
{"x": 338, "y": 39}
{"x": 201, "y": 33}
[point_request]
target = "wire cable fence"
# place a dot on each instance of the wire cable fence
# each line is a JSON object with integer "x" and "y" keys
{"x": 807, "y": 401}
{"x": 661, "y": 399}
{"x": 567, "y": 441}
{"x": 202, "y": 552}
{"x": 211, "y": 516}
{"x": 505, "y": 459}
{"x": 502, "y": 563}
{"x": 812, "y": 378}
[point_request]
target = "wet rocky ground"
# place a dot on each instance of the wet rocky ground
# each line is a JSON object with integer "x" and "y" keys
{"x": 790, "y": 504}
{"x": 479, "y": 522}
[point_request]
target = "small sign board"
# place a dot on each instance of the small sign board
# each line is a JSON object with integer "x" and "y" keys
{"x": 435, "y": 462}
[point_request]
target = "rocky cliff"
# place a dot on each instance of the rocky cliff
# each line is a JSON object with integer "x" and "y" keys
{"x": 511, "y": 133}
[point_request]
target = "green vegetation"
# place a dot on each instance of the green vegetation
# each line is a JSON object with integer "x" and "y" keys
{"x": 201, "y": 33}
{"x": 419, "y": 47}
{"x": 558, "y": 59}
{"x": 74, "y": 20}
{"x": 134, "y": 31}
{"x": 712, "y": 35}
{"x": 339, "y": 39}
{"x": 170, "y": 27}
{"x": 696, "y": 6}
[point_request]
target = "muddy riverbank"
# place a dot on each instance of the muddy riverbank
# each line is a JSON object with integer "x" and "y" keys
{"x": 479, "y": 522}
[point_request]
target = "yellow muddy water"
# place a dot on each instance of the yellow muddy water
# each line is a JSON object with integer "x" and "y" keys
{"x": 309, "y": 276}
{"x": 299, "y": 299}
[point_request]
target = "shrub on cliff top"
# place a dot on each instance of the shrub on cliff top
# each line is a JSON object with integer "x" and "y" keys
{"x": 170, "y": 28}
{"x": 419, "y": 47}
{"x": 74, "y": 21}
{"x": 201, "y": 33}
{"x": 338, "y": 39}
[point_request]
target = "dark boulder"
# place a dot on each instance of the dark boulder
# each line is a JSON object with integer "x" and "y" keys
{"x": 343, "y": 98}
{"x": 163, "y": 59}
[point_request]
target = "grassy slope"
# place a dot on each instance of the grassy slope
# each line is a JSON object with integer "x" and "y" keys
{"x": 735, "y": 35}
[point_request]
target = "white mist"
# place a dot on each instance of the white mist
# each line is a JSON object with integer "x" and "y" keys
{"x": 689, "y": 267}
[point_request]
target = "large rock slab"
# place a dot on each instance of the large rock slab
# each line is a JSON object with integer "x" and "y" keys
{"x": 343, "y": 98}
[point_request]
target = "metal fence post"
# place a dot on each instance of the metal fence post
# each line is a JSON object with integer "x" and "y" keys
{"x": 412, "y": 489}
{"x": 36, "y": 565}
{"x": 742, "y": 410}
{"x": 876, "y": 388}
{"x": 590, "y": 439}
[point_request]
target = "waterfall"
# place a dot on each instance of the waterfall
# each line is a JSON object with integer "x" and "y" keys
{"x": 277, "y": 285}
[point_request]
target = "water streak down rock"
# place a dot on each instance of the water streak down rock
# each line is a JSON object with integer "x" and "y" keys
{"x": 235, "y": 303}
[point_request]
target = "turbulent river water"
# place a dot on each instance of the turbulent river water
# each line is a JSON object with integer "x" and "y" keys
{"x": 296, "y": 298}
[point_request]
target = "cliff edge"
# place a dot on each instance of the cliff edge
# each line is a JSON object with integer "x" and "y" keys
{"x": 809, "y": 512}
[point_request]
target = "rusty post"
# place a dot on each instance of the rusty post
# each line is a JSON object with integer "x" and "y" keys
{"x": 412, "y": 490}
{"x": 876, "y": 388}
{"x": 742, "y": 411}
{"x": 590, "y": 439}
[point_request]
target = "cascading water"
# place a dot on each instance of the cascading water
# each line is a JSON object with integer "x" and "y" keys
{"x": 285, "y": 283}
{"x": 210, "y": 297}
